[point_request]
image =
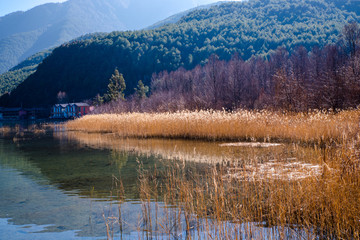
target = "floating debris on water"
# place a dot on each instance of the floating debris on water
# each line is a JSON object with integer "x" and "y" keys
{"x": 276, "y": 170}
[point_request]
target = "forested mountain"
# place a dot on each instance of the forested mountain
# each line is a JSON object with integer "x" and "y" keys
{"x": 16, "y": 75}
{"x": 25, "y": 33}
{"x": 176, "y": 17}
{"x": 255, "y": 27}
{"x": 12, "y": 78}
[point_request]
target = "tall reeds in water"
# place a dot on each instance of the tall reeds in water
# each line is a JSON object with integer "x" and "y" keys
{"x": 213, "y": 204}
{"x": 235, "y": 201}
{"x": 190, "y": 201}
{"x": 314, "y": 126}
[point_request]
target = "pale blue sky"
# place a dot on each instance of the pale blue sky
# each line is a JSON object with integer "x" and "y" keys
{"x": 9, "y": 6}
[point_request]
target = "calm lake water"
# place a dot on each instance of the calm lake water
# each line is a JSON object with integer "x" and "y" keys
{"x": 63, "y": 185}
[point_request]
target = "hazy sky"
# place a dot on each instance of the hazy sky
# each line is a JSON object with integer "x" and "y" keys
{"x": 8, "y": 6}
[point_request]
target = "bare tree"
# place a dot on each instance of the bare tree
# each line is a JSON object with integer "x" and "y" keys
{"x": 351, "y": 33}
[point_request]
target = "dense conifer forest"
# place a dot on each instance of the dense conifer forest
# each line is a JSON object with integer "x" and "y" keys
{"x": 12, "y": 78}
{"x": 240, "y": 38}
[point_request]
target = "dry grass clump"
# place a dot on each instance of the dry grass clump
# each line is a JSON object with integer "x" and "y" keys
{"x": 19, "y": 132}
{"x": 316, "y": 126}
{"x": 5, "y": 130}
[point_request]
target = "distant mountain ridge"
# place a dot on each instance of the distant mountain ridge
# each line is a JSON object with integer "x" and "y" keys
{"x": 16, "y": 75}
{"x": 254, "y": 27}
{"x": 25, "y": 33}
{"x": 176, "y": 17}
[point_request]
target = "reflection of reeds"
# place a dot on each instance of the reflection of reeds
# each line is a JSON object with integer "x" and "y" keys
{"x": 19, "y": 131}
{"x": 197, "y": 151}
{"x": 314, "y": 126}
{"x": 290, "y": 161}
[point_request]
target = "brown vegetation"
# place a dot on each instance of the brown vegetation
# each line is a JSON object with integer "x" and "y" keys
{"x": 19, "y": 132}
{"x": 322, "y": 206}
{"x": 313, "y": 197}
{"x": 210, "y": 203}
{"x": 265, "y": 126}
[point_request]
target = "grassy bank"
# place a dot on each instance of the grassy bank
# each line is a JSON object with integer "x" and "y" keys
{"x": 266, "y": 126}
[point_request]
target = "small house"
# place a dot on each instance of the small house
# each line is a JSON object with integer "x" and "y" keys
{"x": 79, "y": 109}
{"x": 58, "y": 111}
{"x": 70, "y": 110}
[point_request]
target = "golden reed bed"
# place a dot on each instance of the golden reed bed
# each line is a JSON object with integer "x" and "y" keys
{"x": 324, "y": 205}
{"x": 314, "y": 126}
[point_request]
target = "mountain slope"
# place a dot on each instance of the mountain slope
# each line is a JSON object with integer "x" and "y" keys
{"x": 176, "y": 17}
{"x": 16, "y": 75}
{"x": 12, "y": 78}
{"x": 25, "y": 33}
{"x": 82, "y": 69}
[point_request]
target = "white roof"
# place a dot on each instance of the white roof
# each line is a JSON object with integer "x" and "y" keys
{"x": 72, "y": 104}
{"x": 80, "y": 104}
{"x": 61, "y": 105}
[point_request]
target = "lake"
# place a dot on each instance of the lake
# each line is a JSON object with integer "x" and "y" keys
{"x": 56, "y": 184}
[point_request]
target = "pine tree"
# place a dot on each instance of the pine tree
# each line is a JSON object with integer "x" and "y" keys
{"x": 141, "y": 90}
{"x": 98, "y": 100}
{"x": 116, "y": 87}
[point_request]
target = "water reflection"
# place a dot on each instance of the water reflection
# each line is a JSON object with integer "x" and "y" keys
{"x": 188, "y": 150}
{"x": 259, "y": 160}
{"x": 56, "y": 187}
{"x": 65, "y": 183}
